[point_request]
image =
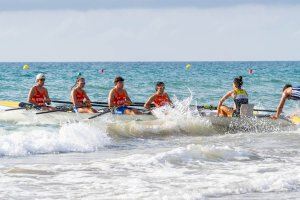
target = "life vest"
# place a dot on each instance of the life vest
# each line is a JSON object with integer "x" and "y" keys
{"x": 119, "y": 98}
{"x": 161, "y": 100}
{"x": 79, "y": 96}
{"x": 240, "y": 97}
{"x": 295, "y": 93}
{"x": 38, "y": 97}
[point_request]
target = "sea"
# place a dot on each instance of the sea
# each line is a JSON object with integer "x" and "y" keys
{"x": 178, "y": 155}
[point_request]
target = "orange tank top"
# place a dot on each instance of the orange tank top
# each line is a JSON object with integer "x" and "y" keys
{"x": 39, "y": 97}
{"x": 161, "y": 100}
{"x": 119, "y": 98}
{"x": 79, "y": 96}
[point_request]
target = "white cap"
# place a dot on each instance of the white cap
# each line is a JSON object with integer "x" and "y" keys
{"x": 40, "y": 76}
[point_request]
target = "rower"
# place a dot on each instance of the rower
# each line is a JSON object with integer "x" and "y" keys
{"x": 38, "y": 94}
{"x": 159, "y": 98}
{"x": 288, "y": 92}
{"x": 79, "y": 98}
{"x": 119, "y": 100}
{"x": 239, "y": 96}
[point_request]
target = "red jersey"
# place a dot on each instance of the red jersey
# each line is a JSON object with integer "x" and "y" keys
{"x": 161, "y": 100}
{"x": 119, "y": 98}
{"x": 39, "y": 97}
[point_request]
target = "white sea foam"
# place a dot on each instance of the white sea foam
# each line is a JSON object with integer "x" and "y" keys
{"x": 195, "y": 153}
{"x": 78, "y": 137}
{"x": 197, "y": 171}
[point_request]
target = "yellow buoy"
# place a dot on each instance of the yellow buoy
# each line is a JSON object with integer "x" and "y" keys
{"x": 26, "y": 67}
{"x": 188, "y": 66}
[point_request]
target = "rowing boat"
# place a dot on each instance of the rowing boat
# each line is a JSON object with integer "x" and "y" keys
{"x": 149, "y": 122}
{"x": 26, "y": 116}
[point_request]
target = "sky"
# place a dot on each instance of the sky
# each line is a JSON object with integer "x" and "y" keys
{"x": 149, "y": 30}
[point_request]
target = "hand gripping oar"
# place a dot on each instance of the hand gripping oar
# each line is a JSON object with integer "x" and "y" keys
{"x": 104, "y": 111}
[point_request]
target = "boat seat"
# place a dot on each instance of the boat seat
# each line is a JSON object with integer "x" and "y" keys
{"x": 246, "y": 110}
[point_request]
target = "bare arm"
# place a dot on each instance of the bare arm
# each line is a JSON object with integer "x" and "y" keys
{"x": 74, "y": 99}
{"x": 128, "y": 100}
{"x": 226, "y": 96}
{"x": 47, "y": 100}
{"x": 30, "y": 94}
{"x": 110, "y": 99}
{"x": 280, "y": 105}
{"x": 170, "y": 102}
{"x": 149, "y": 101}
{"x": 87, "y": 99}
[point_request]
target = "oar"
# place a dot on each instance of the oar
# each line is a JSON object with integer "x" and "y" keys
{"x": 133, "y": 103}
{"x": 207, "y": 107}
{"x": 92, "y": 104}
{"x": 262, "y": 110}
{"x": 14, "y": 109}
{"x": 69, "y": 102}
{"x": 211, "y": 107}
{"x": 49, "y": 111}
{"x": 22, "y": 105}
{"x": 138, "y": 104}
{"x": 57, "y": 109}
{"x": 58, "y": 101}
{"x": 107, "y": 110}
{"x": 100, "y": 103}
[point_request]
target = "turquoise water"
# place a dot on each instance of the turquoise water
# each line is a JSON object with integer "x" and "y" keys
{"x": 177, "y": 155}
{"x": 208, "y": 81}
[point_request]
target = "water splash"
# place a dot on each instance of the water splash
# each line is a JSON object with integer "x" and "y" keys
{"x": 76, "y": 137}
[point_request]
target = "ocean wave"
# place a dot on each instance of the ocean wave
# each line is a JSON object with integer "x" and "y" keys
{"x": 193, "y": 154}
{"x": 75, "y": 137}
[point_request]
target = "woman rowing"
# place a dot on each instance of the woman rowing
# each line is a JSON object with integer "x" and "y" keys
{"x": 159, "y": 98}
{"x": 239, "y": 96}
{"x": 38, "y": 94}
{"x": 119, "y": 100}
{"x": 288, "y": 92}
{"x": 79, "y": 98}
